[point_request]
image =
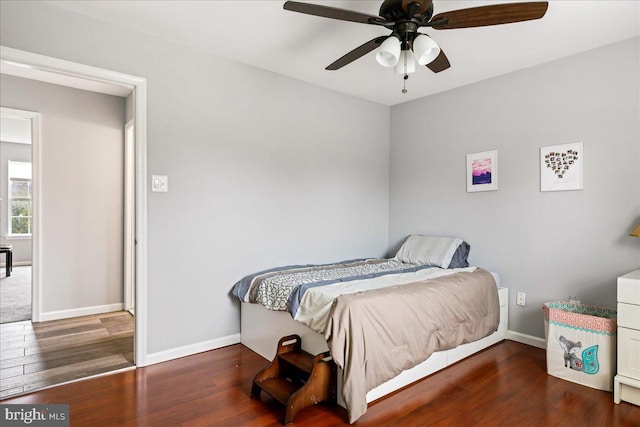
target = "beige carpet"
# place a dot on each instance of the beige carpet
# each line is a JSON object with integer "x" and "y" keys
{"x": 15, "y": 295}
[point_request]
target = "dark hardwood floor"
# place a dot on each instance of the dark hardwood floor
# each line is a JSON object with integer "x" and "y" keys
{"x": 505, "y": 385}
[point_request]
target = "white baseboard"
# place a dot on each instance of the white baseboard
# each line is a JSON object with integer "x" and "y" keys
{"x": 527, "y": 339}
{"x": 188, "y": 350}
{"x": 76, "y": 312}
{"x": 16, "y": 263}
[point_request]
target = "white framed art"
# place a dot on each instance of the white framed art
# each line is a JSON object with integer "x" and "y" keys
{"x": 561, "y": 167}
{"x": 482, "y": 171}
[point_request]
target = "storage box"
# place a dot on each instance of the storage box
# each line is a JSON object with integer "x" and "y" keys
{"x": 581, "y": 343}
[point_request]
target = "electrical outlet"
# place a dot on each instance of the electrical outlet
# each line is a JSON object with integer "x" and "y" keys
{"x": 521, "y": 299}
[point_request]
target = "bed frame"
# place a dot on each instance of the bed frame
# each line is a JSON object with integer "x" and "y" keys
{"x": 262, "y": 328}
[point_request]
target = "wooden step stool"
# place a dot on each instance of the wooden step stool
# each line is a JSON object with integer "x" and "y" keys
{"x": 296, "y": 378}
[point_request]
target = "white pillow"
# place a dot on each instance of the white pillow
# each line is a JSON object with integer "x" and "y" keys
{"x": 426, "y": 250}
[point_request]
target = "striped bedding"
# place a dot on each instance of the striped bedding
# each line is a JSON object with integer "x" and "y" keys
{"x": 307, "y": 291}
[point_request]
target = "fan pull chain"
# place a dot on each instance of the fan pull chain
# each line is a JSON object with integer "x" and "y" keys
{"x": 406, "y": 74}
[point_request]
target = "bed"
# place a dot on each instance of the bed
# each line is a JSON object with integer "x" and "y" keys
{"x": 323, "y": 307}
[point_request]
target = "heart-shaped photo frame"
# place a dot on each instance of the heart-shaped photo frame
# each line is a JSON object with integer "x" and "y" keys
{"x": 561, "y": 167}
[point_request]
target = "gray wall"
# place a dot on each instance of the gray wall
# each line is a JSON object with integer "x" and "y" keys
{"x": 266, "y": 170}
{"x": 552, "y": 244}
{"x": 263, "y": 170}
{"x": 81, "y": 193}
{"x": 21, "y": 245}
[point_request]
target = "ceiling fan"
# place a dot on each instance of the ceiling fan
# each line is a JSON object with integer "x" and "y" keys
{"x": 405, "y": 44}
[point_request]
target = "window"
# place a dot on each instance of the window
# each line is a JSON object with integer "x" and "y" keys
{"x": 20, "y": 203}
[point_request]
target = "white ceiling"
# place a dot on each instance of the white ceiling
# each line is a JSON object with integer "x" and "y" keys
{"x": 260, "y": 33}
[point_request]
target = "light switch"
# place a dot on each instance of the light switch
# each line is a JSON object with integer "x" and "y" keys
{"x": 159, "y": 183}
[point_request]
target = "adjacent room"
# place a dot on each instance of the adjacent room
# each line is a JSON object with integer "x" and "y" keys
{"x": 62, "y": 312}
{"x": 348, "y": 166}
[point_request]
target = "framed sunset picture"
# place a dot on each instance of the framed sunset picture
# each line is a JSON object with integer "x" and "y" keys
{"x": 482, "y": 171}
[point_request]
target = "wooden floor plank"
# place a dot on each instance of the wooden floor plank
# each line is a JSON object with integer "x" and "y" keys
{"x": 63, "y": 373}
{"x": 13, "y": 328}
{"x": 42, "y": 354}
{"x": 505, "y": 385}
{"x": 11, "y": 353}
{"x": 13, "y": 341}
{"x": 41, "y": 334}
{"x": 61, "y": 325}
{"x": 46, "y": 361}
{"x": 71, "y": 372}
{"x": 11, "y": 372}
{"x": 66, "y": 341}
{"x": 71, "y": 353}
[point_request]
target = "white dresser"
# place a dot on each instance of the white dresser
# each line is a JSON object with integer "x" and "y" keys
{"x": 626, "y": 385}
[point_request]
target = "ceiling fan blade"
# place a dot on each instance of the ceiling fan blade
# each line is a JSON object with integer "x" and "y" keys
{"x": 441, "y": 63}
{"x": 357, "y": 53}
{"x": 489, "y": 15}
{"x": 332, "y": 12}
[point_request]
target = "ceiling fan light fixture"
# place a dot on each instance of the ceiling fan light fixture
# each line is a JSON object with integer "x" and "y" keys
{"x": 426, "y": 49}
{"x": 389, "y": 52}
{"x": 406, "y": 64}
{"x": 405, "y": 17}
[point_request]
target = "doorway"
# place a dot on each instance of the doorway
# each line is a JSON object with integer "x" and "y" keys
{"x": 16, "y": 213}
{"x": 86, "y": 75}
{"x": 66, "y": 344}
